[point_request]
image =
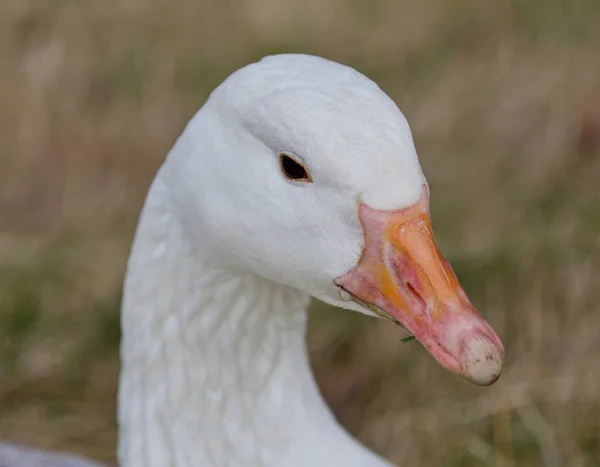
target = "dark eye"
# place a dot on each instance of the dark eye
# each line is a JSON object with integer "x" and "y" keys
{"x": 293, "y": 169}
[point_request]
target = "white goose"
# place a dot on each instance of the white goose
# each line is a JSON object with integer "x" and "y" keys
{"x": 298, "y": 177}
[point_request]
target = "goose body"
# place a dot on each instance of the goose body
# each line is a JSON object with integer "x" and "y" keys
{"x": 297, "y": 178}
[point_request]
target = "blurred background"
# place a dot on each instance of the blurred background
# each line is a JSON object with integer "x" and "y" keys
{"x": 504, "y": 102}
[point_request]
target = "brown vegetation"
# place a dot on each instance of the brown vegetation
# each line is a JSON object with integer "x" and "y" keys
{"x": 503, "y": 100}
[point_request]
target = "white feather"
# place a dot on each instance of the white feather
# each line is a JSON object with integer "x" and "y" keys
{"x": 227, "y": 252}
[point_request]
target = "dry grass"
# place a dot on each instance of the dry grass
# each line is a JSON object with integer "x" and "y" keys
{"x": 504, "y": 102}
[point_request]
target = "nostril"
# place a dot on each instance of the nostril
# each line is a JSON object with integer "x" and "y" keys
{"x": 416, "y": 296}
{"x": 412, "y": 289}
{"x": 407, "y": 281}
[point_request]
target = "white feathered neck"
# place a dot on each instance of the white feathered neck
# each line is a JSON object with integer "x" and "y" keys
{"x": 214, "y": 364}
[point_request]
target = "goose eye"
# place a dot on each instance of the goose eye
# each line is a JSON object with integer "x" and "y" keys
{"x": 293, "y": 169}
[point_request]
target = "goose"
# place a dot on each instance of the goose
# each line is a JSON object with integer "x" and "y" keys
{"x": 298, "y": 177}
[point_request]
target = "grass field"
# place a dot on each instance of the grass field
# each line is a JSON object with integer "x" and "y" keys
{"x": 504, "y": 103}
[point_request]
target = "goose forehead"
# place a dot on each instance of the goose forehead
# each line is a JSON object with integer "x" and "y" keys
{"x": 301, "y": 92}
{"x": 373, "y": 157}
{"x": 383, "y": 178}
{"x": 344, "y": 126}
{"x": 322, "y": 115}
{"x": 354, "y": 143}
{"x": 350, "y": 115}
{"x": 282, "y": 73}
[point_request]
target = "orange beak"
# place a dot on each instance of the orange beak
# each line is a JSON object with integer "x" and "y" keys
{"x": 403, "y": 277}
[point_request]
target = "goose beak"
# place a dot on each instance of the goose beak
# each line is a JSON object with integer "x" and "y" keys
{"x": 403, "y": 277}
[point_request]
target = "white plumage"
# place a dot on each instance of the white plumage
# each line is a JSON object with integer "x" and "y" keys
{"x": 227, "y": 252}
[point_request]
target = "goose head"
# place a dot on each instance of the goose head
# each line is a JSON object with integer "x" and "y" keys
{"x": 304, "y": 172}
